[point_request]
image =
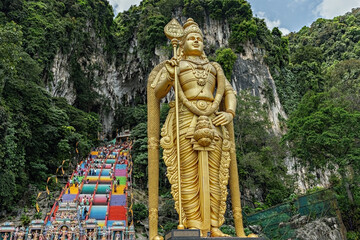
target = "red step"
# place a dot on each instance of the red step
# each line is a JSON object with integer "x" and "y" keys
{"x": 117, "y": 213}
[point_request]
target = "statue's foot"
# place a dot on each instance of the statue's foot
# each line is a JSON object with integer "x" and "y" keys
{"x": 252, "y": 235}
{"x": 215, "y": 232}
{"x": 157, "y": 237}
{"x": 203, "y": 233}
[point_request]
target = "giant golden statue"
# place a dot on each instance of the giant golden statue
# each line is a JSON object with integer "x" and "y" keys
{"x": 197, "y": 136}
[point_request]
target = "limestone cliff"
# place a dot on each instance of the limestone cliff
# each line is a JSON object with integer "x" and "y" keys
{"x": 125, "y": 81}
{"x": 120, "y": 81}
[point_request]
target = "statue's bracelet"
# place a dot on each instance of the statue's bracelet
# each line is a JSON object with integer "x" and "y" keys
{"x": 231, "y": 112}
{"x": 171, "y": 79}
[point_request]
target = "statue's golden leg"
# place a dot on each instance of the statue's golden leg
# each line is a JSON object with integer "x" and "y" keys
{"x": 190, "y": 184}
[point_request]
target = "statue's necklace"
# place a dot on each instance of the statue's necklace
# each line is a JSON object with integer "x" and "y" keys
{"x": 200, "y": 73}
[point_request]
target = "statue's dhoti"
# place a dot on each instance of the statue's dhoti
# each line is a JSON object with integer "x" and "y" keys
{"x": 192, "y": 172}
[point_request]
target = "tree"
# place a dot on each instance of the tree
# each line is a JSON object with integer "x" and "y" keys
{"x": 226, "y": 57}
{"x": 259, "y": 154}
{"x": 139, "y": 154}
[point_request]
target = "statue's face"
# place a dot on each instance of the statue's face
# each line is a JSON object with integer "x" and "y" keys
{"x": 193, "y": 45}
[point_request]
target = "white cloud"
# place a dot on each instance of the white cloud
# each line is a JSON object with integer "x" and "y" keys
{"x": 284, "y": 31}
{"x": 271, "y": 24}
{"x": 333, "y": 8}
{"x": 122, "y": 5}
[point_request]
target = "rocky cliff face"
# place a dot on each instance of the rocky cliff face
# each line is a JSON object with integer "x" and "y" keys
{"x": 320, "y": 229}
{"x": 124, "y": 82}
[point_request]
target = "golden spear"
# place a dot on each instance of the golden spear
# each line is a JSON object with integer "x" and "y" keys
{"x": 174, "y": 31}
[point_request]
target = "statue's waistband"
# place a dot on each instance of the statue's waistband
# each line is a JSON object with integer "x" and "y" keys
{"x": 200, "y": 104}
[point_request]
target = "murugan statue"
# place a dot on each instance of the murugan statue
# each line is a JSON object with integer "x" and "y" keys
{"x": 197, "y": 136}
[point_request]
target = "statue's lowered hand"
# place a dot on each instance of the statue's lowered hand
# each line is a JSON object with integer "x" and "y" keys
{"x": 222, "y": 118}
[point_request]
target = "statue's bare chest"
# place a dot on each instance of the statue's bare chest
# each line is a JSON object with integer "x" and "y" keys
{"x": 197, "y": 80}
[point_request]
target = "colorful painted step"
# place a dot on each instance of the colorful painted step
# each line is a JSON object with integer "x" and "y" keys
{"x": 117, "y": 213}
{"x": 102, "y": 188}
{"x": 118, "y": 200}
{"x": 92, "y": 179}
{"x": 120, "y": 166}
{"x": 68, "y": 197}
{"x": 88, "y": 196}
{"x": 119, "y": 190}
{"x": 98, "y": 212}
{"x": 122, "y": 180}
{"x": 80, "y": 178}
{"x": 105, "y": 172}
{"x": 88, "y": 188}
{"x": 100, "y": 199}
{"x": 74, "y": 190}
{"x": 108, "y": 166}
{"x": 120, "y": 172}
{"x": 106, "y": 180}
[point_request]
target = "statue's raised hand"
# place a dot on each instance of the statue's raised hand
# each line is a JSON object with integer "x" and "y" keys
{"x": 222, "y": 118}
{"x": 170, "y": 66}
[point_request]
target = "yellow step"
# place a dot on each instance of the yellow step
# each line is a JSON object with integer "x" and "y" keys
{"x": 119, "y": 190}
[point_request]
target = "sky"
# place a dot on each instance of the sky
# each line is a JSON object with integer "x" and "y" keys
{"x": 287, "y": 15}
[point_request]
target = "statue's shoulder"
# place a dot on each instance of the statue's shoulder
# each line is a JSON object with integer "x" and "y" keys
{"x": 153, "y": 77}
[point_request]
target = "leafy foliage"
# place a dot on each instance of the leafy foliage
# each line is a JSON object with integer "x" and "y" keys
{"x": 140, "y": 155}
{"x": 36, "y": 133}
{"x": 259, "y": 154}
{"x": 323, "y": 128}
{"x": 140, "y": 212}
{"x": 316, "y": 72}
{"x": 226, "y": 57}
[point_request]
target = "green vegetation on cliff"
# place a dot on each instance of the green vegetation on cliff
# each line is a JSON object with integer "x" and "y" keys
{"x": 37, "y": 131}
{"x": 316, "y": 72}
{"x": 320, "y": 90}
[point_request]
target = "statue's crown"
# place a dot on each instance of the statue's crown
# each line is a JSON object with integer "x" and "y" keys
{"x": 191, "y": 27}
